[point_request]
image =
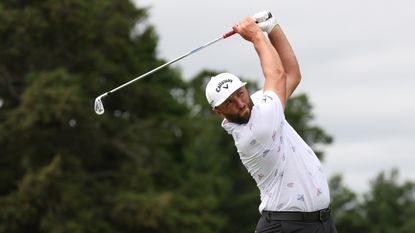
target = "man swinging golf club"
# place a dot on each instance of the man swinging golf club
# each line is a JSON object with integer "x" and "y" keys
{"x": 294, "y": 191}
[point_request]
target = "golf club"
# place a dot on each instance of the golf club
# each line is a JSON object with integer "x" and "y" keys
{"x": 98, "y": 105}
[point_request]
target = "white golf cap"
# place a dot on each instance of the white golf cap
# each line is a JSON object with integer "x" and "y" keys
{"x": 220, "y": 87}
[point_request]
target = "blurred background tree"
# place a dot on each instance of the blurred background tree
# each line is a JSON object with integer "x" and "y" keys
{"x": 388, "y": 206}
{"x": 157, "y": 161}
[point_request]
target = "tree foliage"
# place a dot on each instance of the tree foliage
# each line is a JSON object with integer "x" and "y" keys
{"x": 156, "y": 161}
{"x": 389, "y": 205}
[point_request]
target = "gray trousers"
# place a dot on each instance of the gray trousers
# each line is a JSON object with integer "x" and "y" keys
{"x": 266, "y": 225}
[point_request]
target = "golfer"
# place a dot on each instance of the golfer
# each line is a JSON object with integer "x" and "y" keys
{"x": 294, "y": 191}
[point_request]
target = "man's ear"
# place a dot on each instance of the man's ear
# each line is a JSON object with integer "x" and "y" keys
{"x": 218, "y": 112}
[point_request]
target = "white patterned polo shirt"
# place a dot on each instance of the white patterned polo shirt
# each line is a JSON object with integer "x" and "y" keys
{"x": 287, "y": 172}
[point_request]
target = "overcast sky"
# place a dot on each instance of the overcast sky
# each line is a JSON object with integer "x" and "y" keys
{"x": 357, "y": 60}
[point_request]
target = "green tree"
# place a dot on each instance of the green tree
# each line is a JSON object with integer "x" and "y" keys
{"x": 390, "y": 205}
{"x": 346, "y": 207}
{"x": 56, "y": 57}
{"x": 387, "y": 207}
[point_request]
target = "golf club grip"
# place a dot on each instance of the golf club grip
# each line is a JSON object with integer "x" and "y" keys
{"x": 226, "y": 35}
{"x": 231, "y": 33}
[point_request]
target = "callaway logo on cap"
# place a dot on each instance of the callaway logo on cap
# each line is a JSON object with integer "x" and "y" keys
{"x": 222, "y": 83}
{"x": 220, "y": 87}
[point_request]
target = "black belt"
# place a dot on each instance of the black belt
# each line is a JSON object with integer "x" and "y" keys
{"x": 320, "y": 215}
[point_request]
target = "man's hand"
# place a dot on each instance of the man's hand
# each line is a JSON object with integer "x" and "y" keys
{"x": 248, "y": 29}
{"x": 264, "y": 21}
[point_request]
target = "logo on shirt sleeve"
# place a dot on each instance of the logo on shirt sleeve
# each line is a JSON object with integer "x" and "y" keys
{"x": 266, "y": 97}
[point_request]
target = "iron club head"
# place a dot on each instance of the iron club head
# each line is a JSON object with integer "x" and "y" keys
{"x": 98, "y": 106}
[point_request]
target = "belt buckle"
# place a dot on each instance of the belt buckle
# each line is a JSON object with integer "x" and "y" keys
{"x": 324, "y": 214}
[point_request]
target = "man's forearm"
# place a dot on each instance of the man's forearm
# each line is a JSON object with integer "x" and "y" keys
{"x": 268, "y": 56}
{"x": 288, "y": 59}
{"x": 271, "y": 64}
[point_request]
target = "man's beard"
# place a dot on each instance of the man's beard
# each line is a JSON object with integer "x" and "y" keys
{"x": 238, "y": 119}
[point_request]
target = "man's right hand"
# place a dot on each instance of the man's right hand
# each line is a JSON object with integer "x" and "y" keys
{"x": 248, "y": 29}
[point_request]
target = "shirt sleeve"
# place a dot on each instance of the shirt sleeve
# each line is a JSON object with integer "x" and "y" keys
{"x": 267, "y": 119}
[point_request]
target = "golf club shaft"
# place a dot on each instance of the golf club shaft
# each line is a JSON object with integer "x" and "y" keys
{"x": 170, "y": 62}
